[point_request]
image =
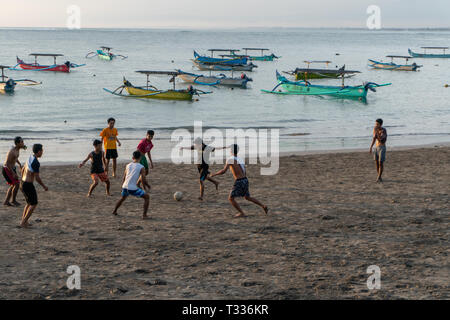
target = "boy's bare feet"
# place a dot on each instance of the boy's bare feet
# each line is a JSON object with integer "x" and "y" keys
{"x": 200, "y": 198}
{"x": 240, "y": 215}
{"x": 266, "y": 209}
{"x": 114, "y": 213}
{"x": 145, "y": 217}
{"x": 25, "y": 225}
{"x": 217, "y": 186}
{"x": 7, "y": 203}
{"x": 16, "y": 204}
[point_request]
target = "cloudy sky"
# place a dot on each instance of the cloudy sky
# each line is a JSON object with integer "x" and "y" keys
{"x": 224, "y": 13}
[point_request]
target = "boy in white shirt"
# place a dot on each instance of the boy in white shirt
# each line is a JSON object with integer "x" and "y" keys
{"x": 133, "y": 171}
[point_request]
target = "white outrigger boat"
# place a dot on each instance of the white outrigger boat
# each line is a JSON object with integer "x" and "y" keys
{"x": 219, "y": 80}
{"x": 393, "y": 66}
{"x": 8, "y": 85}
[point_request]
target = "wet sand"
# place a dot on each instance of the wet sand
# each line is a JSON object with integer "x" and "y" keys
{"x": 328, "y": 222}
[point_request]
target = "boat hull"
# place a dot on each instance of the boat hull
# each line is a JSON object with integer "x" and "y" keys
{"x": 301, "y": 76}
{"x": 164, "y": 95}
{"x": 231, "y": 82}
{"x": 392, "y": 66}
{"x": 427, "y": 55}
{"x": 227, "y": 61}
{"x": 358, "y": 92}
{"x": 219, "y": 67}
{"x": 33, "y": 66}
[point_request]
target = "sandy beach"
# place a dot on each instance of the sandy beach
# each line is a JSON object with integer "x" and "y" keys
{"x": 328, "y": 222}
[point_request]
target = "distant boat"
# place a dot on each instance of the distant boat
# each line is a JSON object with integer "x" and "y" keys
{"x": 262, "y": 57}
{"x": 104, "y": 53}
{"x": 429, "y": 55}
{"x": 311, "y": 73}
{"x": 223, "y": 67}
{"x": 8, "y": 85}
{"x": 65, "y": 67}
{"x": 224, "y": 61}
{"x": 393, "y": 66}
{"x": 221, "y": 79}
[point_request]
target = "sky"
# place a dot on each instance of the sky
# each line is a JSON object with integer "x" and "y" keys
{"x": 225, "y": 13}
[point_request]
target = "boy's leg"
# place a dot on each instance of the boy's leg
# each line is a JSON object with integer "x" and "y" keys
{"x": 107, "y": 165}
{"x": 114, "y": 161}
{"x": 236, "y": 206}
{"x": 108, "y": 187}
{"x": 202, "y": 189}
{"x": 28, "y": 215}
{"x": 118, "y": 204}
{"x": 93, "y": 185}
{"x": 213, "y": 181}
{"x": 25, "y": 211}
{"x": 146, "y": 198}
{"x": 380, "y": 170}
{"x": 14, "y": 195}
{"x": 255, "y": 201}
{"x": 8, "y": 196}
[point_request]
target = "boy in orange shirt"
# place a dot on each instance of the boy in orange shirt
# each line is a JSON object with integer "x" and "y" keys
{"x": 109, "y": 137}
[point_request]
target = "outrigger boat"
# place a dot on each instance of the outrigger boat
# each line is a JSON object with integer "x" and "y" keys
{"x": 304, "y": 87}
{"x": 393, "y": 66}
{"x": 219, "y": 80}
{"x": 150, "y": 92}
{"x": 65, "y": 67}
{"x": 8, "y": 85}
{"x": 223, "y": 61}
{"x": 262, "y": 57}
{"x": 311, "y": 73}
{"x": 104, "y": 53}
{"x": 222, "y": 67}
{"x": 429, "y": 55}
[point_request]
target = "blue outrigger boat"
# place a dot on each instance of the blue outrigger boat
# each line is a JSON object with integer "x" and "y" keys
{"x": 430, "y": 55}
{"x": 304, "y": 87}
{"x": 393, "y": 66}
{"x": 222, "y": 61}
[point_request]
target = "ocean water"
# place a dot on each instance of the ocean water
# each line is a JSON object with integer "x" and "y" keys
{"x": 69, "y": 110}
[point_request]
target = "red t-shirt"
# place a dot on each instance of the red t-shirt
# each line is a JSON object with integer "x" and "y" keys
{"x": 145, "y": 146}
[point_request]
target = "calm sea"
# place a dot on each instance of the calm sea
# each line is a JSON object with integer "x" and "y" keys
{"x": 68, "y": 111}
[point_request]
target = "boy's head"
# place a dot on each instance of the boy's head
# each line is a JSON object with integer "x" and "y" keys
{"x": 38, "y": 150}
{"x": 378, "y": 123}
{"x": 234, "y": 149}
{"x": 150, "y": 134}
{"x": 111, "y": 122}
{"x": 18, "y": 142}
{"x": 137, "y": 156}
{"x": 198, "y": 141}
{"x": 97, "y": 145}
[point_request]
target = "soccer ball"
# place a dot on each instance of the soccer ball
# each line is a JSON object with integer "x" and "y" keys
{"x": 178, "y": 195}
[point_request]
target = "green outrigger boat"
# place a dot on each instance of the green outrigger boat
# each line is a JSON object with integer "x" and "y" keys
{"x": 262, "y": 57}
{"x": 304, "y": 87}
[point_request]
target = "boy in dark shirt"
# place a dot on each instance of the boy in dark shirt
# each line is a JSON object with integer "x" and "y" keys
{"x": 98, "y": 162}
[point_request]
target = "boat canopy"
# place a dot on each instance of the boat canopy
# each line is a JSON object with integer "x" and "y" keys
{"x": 435, "y": 48}
{"x": 317, "y": 61}
{"x": 149, "y": 72}
{"x": 255, "y": 49}
{"x": 325, "y": 71}
{"x": 225, "y": 50}
{"x": 46, "y": 54}
{"x": 4, "y": 67}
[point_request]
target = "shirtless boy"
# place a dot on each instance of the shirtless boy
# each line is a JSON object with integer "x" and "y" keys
{"x": 30, "y": 172}
{"x": 10, "y": 173}
{"x": 379, "y": 137}
{"x": 240, "y": 187}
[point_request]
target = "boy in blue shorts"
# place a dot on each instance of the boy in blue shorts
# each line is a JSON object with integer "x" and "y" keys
{"x": 134, "y": 172}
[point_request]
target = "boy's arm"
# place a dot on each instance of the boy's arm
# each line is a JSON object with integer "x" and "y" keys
{"x": 38, "y": 179}
{"x": 118, "y": 142}
{"x": 124, "y": 176}
{"x": 373, "y": 141}
{"x": 150, "y": 158}
{"x": 84, "y": 161}
{"x": 18, "y": 162}
{"x": 220, "y": 172}
{"x": 103, "y": 159}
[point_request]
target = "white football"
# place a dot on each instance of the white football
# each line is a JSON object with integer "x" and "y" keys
{"x": 178, "y": 195}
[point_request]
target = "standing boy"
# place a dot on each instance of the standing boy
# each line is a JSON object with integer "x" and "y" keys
{"x": 98, "y": 160}
{"x": 30, "y": 172}
{"x": 240, "y": 187}
{"x": 9, "y": 171}
{"x": 203, "y": 168}
{"x": 134, "y": 171}
{"x": 380, "y": 137}
{"x": 109, "y": 136}
{"x": 144, "y": 147}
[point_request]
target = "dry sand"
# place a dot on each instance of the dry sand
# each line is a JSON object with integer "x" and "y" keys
{"x": 328, "y": 222}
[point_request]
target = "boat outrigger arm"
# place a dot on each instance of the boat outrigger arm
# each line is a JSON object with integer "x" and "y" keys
{"x": 22, "y": 82}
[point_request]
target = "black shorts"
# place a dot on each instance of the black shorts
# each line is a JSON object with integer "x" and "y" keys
{"x": 111, "y": 154}
{"x": 240, "y": 188}
{"x": 29, "y": 191}
{"x": 204, "y": 171}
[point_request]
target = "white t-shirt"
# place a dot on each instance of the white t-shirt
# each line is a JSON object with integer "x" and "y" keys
{"x": 133, "y": 171}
